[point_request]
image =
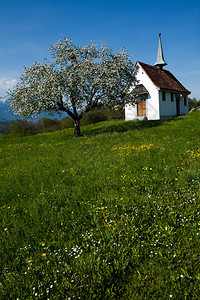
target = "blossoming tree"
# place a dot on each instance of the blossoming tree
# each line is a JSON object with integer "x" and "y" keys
{"x": 78, "y": 80}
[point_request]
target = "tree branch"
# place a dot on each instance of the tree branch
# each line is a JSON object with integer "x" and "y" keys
{"x": 63, "y": 108}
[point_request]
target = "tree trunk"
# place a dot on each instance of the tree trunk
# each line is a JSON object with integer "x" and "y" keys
{"x": 77, "y": 131}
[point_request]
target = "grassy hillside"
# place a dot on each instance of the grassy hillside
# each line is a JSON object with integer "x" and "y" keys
{"x": 111, "y": 215}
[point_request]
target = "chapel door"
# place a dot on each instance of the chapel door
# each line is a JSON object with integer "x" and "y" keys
{"x": 141, "y": 108}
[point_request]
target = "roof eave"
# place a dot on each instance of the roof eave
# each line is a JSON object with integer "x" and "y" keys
{"x": 176, "y": 91}
{"x": 158, "y": 87}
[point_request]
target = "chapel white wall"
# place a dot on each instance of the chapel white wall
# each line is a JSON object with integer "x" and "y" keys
{"x": 152, "y": 103}
{"x": 130, "y": 112}
{"x": 167, "y": 107}
{"x": 184, "y": 110}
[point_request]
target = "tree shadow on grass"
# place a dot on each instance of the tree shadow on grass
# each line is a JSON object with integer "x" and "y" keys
{"x": 119, "y": 126}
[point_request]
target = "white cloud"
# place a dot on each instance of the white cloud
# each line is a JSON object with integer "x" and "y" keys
{"x": 3, "y": 99}
{"x": 7, "y": 83}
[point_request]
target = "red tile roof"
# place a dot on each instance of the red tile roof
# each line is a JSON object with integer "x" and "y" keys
{"x": 163, "y": 79}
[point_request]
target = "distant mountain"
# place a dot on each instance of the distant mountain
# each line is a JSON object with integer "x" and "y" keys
{"x": 4, "y": 112}
{"x": 7, "y": 115}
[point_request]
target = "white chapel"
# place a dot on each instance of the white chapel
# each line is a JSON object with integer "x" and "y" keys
{"x": 159, "y": 94}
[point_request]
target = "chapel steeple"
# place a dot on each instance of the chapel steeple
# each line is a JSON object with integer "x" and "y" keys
{"x": 160, "y": 63}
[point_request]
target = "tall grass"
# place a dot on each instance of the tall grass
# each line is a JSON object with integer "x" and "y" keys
{"x": 111, "y": 215}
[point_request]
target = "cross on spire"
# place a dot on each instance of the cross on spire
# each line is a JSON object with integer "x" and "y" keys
{"x": 160, "y": 57}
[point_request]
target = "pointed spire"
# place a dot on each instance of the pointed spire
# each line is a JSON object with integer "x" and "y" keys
{"x": 160, "y": 57}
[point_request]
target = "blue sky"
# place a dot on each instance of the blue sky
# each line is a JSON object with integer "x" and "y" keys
{"x": 28, "y": 28}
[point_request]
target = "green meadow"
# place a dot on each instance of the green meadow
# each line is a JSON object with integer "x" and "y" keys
{"x": 113, "y": 214}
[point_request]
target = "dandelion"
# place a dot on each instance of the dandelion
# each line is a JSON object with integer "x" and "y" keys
{"x": 43, "y": 254}
{"x": 29, "y": 261}
{"x": 43, "y": 244}
{"x": 48, "y": 261}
